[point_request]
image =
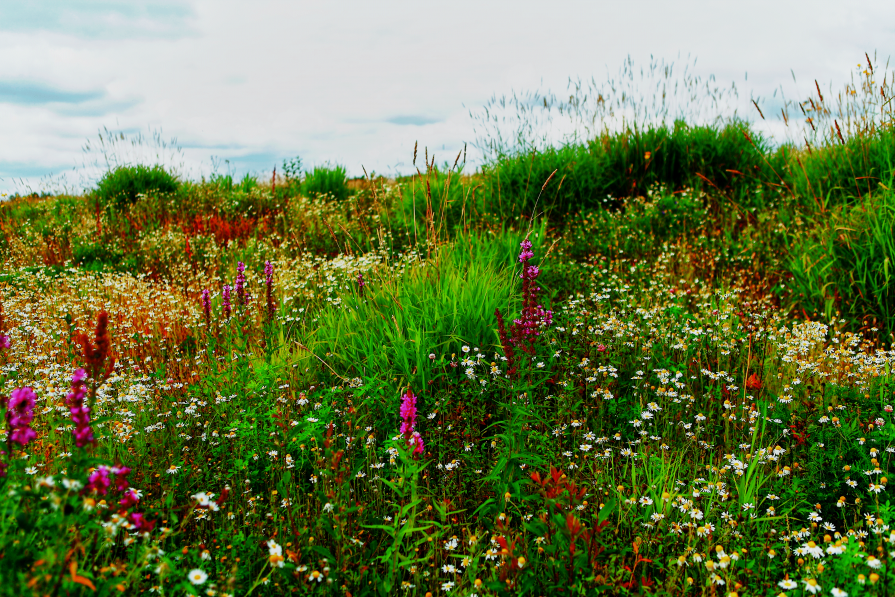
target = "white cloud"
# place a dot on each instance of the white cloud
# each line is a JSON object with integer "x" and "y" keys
{"x": 358, "y": 82}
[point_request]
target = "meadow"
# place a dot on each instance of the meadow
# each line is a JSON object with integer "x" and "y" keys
{"x": 654, "y": 361}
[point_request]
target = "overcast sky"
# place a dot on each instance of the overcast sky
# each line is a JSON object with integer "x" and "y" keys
{"x": 357, "y": 83}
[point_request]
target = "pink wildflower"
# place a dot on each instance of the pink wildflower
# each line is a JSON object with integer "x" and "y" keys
{"x": 225, "y": 297}
{"x": 268, "y": 283}
{"x": 19, "y": 414}
{"x": 408, "y": 413}
{"x": 99, "y": 481}
{"x": 80, "y": 414}
{"x": 206, "y": 306}
{"x": 408, "y": 423}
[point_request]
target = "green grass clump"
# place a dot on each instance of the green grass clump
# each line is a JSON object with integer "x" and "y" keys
{"x": 845, "y": 263}
{"x": 407, "y": 314}
{"x": 327, "y": 180}
{"x": 595, "y": 175}
{"x": 844, "y": 173}
{"x": 121, "y": 186}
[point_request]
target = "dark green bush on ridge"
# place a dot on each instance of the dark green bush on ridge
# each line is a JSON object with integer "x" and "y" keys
{"x": 120, "y": 187}
{"x": 595, "y": 174}
{"x": 326, "y": 180}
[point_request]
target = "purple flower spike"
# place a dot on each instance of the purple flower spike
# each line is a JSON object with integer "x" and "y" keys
{"x": 19, "y": 414}
{"x": 240, "y": 284}
{"x": 408, "y": 423}
{"x": 99, "y": 481}
{"x": 526, "y": 252}
{"x": 268, "y": 283}
{"x": 206, "y": 306}
{"x": 408, "y": 413}
{"x": 228, "y": 308}
{"x": 80, "y": 414}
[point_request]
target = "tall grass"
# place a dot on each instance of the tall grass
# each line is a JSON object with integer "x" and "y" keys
{"x": 410, "y": 320}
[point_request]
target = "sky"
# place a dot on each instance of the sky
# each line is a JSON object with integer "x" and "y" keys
{"x": 238, "y": 87}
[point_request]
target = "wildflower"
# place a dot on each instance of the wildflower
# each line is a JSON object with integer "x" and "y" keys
{"x": 240, "y": 284}
{"x": 130, "y": 499}
{"x": 787, "y": 584}
{"x": 80, "y": 414}
{"x": 172, "y": 470}
{"x": 206, "y": 306}
{"x": 754, "y": 383}
{"x": 225, "y": 297}
{"x": 98, "y": 352}
{"x": 197, "y": 577}
{"x": 408, "y": 423}
{"x": 408, "y": 413}
{"x": 141, "y": 524}
{"x": 447, "y": 586}
{"x": 19, "y": 414}
{"x": 276, "y": 554}
{"x": 268, "y": 286}
{"x": 99, "y": 481}
{"x": 811, "y": 585}
{"x": 838, "y": 592}
{"x": 121, "y": 473}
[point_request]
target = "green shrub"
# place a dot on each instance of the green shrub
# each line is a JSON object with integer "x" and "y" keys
{"x": 121, "y": 186}
{"x": 596, "y": 174}
{"x": 326, "y": 180}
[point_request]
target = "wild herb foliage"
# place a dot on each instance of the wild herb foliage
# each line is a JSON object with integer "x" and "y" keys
{"x": 420, "y": 387}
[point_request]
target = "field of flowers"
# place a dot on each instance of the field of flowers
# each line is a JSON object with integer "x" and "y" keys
{"x": 247, "y": 390}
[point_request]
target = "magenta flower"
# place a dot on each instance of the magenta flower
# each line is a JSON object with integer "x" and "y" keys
{"x": 121, "y": 473}
{"x": 4, "y": 342}
{"x": 206, "y": 306}
{"x": 99, "y": 481}
{"x": 360, "y": 283}
{"x": 408, "y": 413}
{"x": 130, "y": 499}
{"x": 417, "y": 443}
{"x": 225, "y": 295}
{"x": 408, "y": 423}
{"x": 80, "y": 414}
{"x": 240, "y": 284}
{"x": 526, "y": 252}
{"x": 19, "y": 414}
{"x": 268, "y": 283}
{"x": 141, "y": 524}
{"x": 533, "y": 316}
